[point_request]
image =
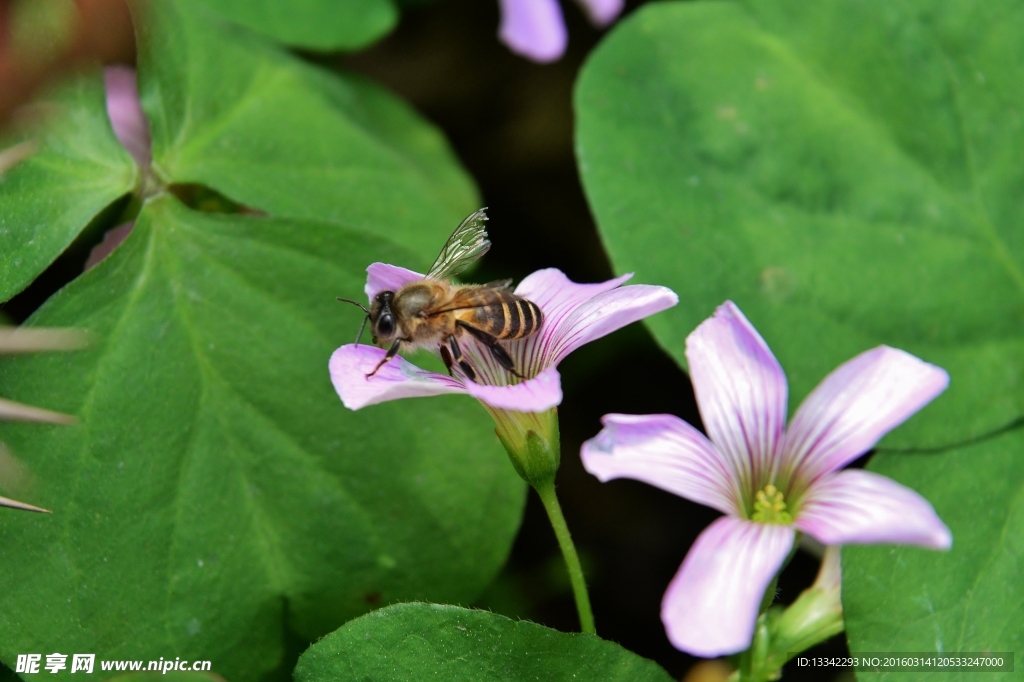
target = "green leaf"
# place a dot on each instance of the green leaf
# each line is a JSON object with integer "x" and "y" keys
{"x": 316, "y": 24}
{"x": 969, "y": 599}
{"x": 278, "y": 135}
{"x": 170, "y": 676}
{"x": 77, "y": 170}
{"x": 431, "y": 641}
{"x": 848, "y": 173}
{"x": 216, "y": 500}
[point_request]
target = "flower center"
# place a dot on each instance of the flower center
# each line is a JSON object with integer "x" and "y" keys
{"x": 770, "y": 506}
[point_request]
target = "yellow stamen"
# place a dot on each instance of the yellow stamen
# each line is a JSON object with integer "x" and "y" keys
{"x": 770, "y": 506}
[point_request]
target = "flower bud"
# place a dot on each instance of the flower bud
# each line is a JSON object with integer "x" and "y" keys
{"x": 531, "y": 441}
{"x": 817, "y": 613}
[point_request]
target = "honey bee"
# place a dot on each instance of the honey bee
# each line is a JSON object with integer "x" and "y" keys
{"x": 434, "y": 310}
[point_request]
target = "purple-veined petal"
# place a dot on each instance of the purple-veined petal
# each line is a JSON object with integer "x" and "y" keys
{"x": 397, "y": 378}
{"x": 854, "y": 406}
{"x": 557, "y": 295}
{"x": 711, "y": 606}
{"x": 601, "y": 12}
{"x": 383, "y": 277}
{"x": 125, "y": 111}
{"x": 741, "y": 392}
{"x": 605, "y": 313}
{"x": 540, "y": 393}
{"x": 664, "y": 451}
{"x": 575, "y": 314}
{"x": 533, "y": 28}
{"x": 861, "y": 507}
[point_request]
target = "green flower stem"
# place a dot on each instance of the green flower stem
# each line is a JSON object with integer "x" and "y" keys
{"x": 546, "y": 491}
{"x": 754, "y": 665}
{"x": 751, "y": 667}
{"x": 532, "y": 443}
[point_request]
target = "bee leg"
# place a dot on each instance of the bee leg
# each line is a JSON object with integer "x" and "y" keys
{"x": 446, "y": 356}
{"x": 392, "y": 352}
{"x": 458, "y": 357}
{"x": 499, "y": 353}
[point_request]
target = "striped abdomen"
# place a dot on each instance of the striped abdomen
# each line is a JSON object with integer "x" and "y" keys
{"x": 500, "y": 313}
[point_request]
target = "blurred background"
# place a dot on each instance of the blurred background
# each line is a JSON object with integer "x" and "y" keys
{"x": 510, "y": 122}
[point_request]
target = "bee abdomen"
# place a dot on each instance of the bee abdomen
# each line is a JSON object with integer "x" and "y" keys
{"x": 513, "y": 317}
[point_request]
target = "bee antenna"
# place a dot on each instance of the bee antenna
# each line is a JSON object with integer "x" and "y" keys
{"x": 365, "y": 319}
{"x": 356, "y": 304}
{"x": 361, "y": 328}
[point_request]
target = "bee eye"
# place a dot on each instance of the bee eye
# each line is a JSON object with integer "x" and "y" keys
{"x": 386, "y": 326}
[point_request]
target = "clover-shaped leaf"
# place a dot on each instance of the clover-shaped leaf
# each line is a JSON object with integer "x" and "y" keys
{"x": 431, "y": 641}
{"x": 215, "y": 498}
{"x": 848, "y": 173}
{"x": 961, "y": 601}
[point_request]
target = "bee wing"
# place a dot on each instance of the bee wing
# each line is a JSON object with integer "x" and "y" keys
{"x": 499, "y": 284}
{"x": 464, "y": 298}
{"x": 466, "y": 245}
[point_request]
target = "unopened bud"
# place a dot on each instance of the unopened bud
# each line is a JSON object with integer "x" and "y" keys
{"x": 817, "y": 613}
{"x": 531, "y": 441}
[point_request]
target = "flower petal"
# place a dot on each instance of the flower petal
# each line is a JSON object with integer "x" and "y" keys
{"x": 576, "y": 314}
{"x": 711, "y": 606}
{"x": 861, "y": 507}
{"x": 112, "y": 238}
{"x": 664, "y": 451}
{"x": 608, "y": 312}
{"x": 383, "y": 277}
{"x": 396, "y": 379}
{"x": 741, "y": 392}
{"x": 601, "y": 12}
{"x": 557, "y": 295}
{"x": 540, "y": 393}
{"x": 125, "y": 112}
{"x": 854, "y": 406}
{"x": 533, "y": 29}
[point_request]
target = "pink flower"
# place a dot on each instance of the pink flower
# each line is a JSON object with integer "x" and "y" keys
{"x": 125, "y": 112}
{"x": 535, "y": 28}
{"x": 131, "y": 127}
{"x": 770, "y": 481}
{"x": 574, "y": 314}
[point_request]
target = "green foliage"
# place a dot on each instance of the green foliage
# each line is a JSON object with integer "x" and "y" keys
{"x": 170, "y": 676}
{"x": 969, "y": 599}
{"x": 216, "y": 501}
{"x": 216, "y": 493}
{"x": 849, "y": 173}
{"x": 77, "y": 169}
{"x": 275, "y": 134}
{"x": 316, "y": 24}
{"x": 429, "y": 641}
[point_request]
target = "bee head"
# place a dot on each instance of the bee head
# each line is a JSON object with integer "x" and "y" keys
{"x": 382, "y": 318}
